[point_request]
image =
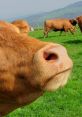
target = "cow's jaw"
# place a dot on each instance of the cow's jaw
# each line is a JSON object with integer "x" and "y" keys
{"x": 56, "y": 81}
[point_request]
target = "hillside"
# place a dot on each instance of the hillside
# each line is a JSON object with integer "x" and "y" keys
{"x": 69, "y": 11}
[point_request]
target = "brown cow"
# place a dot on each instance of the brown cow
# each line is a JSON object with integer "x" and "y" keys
{"x": 23, "y": 26}
{"x": 4, "y": 24}
{"x": 79, "y": 20}
{"x": 59, "y": 25}
{"x": 28, "y": 67}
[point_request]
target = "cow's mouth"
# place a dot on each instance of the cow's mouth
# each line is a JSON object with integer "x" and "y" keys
{"x": 57, "y": 80}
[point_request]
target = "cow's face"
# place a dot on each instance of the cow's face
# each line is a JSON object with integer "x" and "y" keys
{"x": 31, "y": 68}
{"x": 73, "y": 22}
{"x": 46, "y": 67}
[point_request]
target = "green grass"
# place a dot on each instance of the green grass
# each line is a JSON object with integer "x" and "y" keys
{"x": 65, "y": 102}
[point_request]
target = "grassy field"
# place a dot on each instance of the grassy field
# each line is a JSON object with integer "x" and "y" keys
{"x": 65, "y": 102}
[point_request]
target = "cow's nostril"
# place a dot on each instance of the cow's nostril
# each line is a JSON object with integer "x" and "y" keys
{"x": 50, "y": 56}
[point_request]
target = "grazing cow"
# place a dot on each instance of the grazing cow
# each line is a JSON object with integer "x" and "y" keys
{"x": 28, "y": 67}
{"x": 59, "y": 25}
{"x": 79, "y": 21}
{"x": 23, "y": 26}
{"x": 4, "y": 24}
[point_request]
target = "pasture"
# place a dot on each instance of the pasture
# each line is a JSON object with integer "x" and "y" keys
{"x": 65, "y": 102}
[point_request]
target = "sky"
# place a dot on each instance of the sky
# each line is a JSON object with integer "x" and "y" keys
{"x": 17, "y": 8}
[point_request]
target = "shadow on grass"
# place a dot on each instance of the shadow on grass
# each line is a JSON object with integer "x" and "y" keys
{"x": 73, "y": 42}
{"x": 53, "y": 36}
{"x": 50, "y": 36}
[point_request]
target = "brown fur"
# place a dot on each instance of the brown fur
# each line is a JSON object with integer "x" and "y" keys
{"x": 4, "y": 24}
{"x": 58, "y": 25}
{"x": 79, "y": 20}
{"x": 28, "y": 67}
{"x": 23, "y": 26}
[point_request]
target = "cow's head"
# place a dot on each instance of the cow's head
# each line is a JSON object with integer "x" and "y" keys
{"x": 29, "y": 67}
{"x": 73, "y": 22}
{"x": 78, "y": 18}
{"x": 23, "y": 26}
